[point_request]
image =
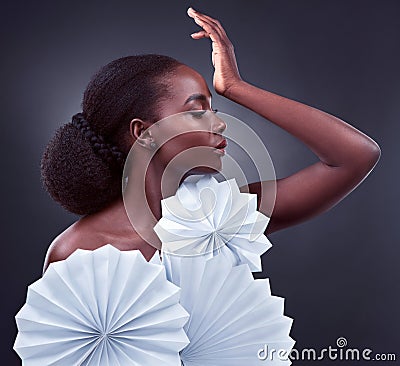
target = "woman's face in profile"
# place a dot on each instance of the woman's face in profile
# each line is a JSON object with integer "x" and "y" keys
{"x": 189, "y": 130}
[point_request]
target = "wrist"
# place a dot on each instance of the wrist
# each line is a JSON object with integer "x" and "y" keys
{"x": 234, "y": 88}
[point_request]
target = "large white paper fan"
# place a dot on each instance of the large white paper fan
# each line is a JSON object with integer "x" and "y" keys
{"x": 102, "y": 307}
{"x": 208, "y": 217}
{"x": 232, "y": 316}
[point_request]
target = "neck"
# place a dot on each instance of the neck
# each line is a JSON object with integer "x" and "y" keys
{"x": 129, "y": 221}
{"x": 149, "y": 183}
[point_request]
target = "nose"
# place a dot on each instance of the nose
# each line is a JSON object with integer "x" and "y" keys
{"x": 218, "y": 125}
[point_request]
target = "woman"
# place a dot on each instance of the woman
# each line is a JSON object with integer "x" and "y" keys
{"x": 82, "y": 165}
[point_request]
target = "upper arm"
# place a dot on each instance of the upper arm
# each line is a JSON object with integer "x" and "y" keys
{"x": 307, "y": 193}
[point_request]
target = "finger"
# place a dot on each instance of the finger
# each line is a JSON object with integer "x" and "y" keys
{"x": 201, "y": 34}
{"x": 191, "y": 12}
{"x": 194, "y": 13}
{"x": 209, "y": 29}
{"x": 211, "y": 20}
{"x": 199, "y": 16}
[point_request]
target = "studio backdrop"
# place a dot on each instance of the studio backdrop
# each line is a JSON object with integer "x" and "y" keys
{"x": 338, "y": 272}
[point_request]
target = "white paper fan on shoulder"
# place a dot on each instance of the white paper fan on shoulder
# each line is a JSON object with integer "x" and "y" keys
{"x": 208, "y": 217}
{"x": 233, "y": 318}
{"x": 102, "y": 307}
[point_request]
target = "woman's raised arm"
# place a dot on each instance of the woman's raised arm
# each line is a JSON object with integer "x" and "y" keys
{"x": 346, "y": 154}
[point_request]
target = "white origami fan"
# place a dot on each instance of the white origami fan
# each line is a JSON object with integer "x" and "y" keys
{"x": 208, "y": 217}
{"x": 102, "y": 307}
{"x": 233, "y": 318}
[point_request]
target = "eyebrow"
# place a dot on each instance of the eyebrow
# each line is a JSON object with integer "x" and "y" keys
{"x": 197, "y": 96}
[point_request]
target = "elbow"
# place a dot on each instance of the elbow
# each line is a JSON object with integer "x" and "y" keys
{"x": 368, "y": 157}
{"x": 373, "y": 155}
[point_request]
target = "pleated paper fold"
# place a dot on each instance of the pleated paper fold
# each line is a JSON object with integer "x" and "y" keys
{"x": 102, "y": 307}
{"x": 197, "y": 305}
{"x": 232, "y": 316}
{"x": 208, "y": 217}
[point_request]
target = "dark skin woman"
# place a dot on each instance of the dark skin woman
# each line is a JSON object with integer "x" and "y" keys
{"x": 346, "y": 155}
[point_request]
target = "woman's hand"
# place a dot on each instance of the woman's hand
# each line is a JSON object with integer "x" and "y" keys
{"x": 226, "y": 72}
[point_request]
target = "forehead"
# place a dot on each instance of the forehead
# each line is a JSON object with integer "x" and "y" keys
{"x": 187, "y": 88}
{"x": 186, "y": 82}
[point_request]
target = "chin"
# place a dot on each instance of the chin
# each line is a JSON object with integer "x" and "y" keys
{"x": 205, "y": 170}
{"x": 201, "y": 170}
{"x": 209, "y": 170}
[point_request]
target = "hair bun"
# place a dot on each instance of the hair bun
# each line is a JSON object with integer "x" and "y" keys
{"x": 109, "y": 153}
{"x": 81, "y": 166}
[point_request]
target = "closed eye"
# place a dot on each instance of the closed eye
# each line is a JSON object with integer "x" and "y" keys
{"x": 199, "y": 113}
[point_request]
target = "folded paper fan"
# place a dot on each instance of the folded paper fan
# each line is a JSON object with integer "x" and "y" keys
{"x": 233, "y": 318}
{"x": 102, "y": 307}
{"x": 208, "y": 217}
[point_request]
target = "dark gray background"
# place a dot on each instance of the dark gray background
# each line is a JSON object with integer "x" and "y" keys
{"x": 337, "y": 271}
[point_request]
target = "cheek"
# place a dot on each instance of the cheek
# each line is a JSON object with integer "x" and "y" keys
{"x": 188, "y": 151}
{"x": 183, "y": 141}
{"x": 182, "y": 133}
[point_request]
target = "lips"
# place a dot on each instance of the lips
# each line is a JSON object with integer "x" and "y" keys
{"x": 222, "y": 144}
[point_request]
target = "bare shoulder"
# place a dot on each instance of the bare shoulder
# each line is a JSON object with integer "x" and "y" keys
{"x": 74, "y": 237}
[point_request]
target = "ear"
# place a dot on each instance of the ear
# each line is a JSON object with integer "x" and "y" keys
{"x": 140, "y": 132}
